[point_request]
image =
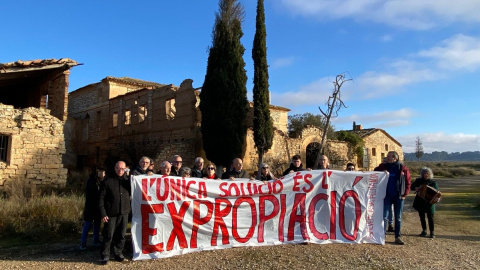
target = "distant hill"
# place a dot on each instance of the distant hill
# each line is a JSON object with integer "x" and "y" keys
{"x": 444, "y": 156}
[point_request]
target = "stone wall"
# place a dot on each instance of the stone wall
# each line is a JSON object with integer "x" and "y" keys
{"x": 157, "y": 122}
{"x": 284, "y": 147}
{"x": 378, "y": 145}
{"x": 36, "y": 145}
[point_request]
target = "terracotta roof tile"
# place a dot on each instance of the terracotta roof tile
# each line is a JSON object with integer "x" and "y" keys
{"x": 38, "y": 63}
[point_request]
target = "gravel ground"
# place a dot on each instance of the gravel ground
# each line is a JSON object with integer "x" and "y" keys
{"x": 453, "y": 248}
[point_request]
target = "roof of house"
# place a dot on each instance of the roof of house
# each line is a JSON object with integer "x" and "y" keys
{"x": 272, "y": 107}
{"x": 132, "y": 81}
{"x": 369, "y": 131}
{"x": 39, "y": 63}
{"x": 13, "y": 72}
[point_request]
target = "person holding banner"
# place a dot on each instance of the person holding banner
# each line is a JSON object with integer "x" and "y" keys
{"x": 398, "y": 187}
{"x": 295, "y": 166}
{"x": 323, "y": 164}
{"x": 210, "y": 172}
{"x": 197, "y": 170}
{"x": 236, "y": 171}
{"x": 422, "y": 206}
{"x": 142, "y": 166}
{"x": 176, "y": 165}
{"x": 350, "y": 167}
{"x": 165, "y": 168}
{"x": 114, "y": 204}
{"x": 185, "y": 172}
{"x": 266, "y": 174}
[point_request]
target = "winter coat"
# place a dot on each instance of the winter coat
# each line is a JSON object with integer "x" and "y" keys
{"x": 293, "y": 168}
{"x": 403, "y": 181}
{"x": 92, "y": 195}
{"x": 235, "y": 174}
{"x": 115, "y": 196}
{"x": 421, "y": 204}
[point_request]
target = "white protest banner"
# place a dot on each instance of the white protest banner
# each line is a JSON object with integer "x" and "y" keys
{"x": 174, "y": 215}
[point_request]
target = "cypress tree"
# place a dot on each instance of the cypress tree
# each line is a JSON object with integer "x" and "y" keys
{"x": 262, "y": 122}
{"x": 223, "y": 99}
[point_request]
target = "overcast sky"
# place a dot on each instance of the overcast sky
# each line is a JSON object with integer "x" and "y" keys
{"x": 414, "y": 64}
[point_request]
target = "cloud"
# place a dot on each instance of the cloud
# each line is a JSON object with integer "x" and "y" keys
{"x": 316, "y": 93}
{"x": 386, "y": 38}
{"x": 410, "y": 14}
{"x": 383, "y": 120}
{"x": 282, "y": 62}
{"x": 440, "y": 141}
{"x": 455, "y": 53}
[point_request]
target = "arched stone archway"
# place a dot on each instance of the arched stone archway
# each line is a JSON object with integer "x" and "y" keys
{"x": 310, "y": 147}
{"x": 311, "y": 153}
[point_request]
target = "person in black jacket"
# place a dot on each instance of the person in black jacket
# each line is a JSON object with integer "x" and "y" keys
{"x": 236, "y": 171}
{"x": 91, "y": 213}
{"x": 114, "y": 207}
{"x": 421, "y": 205}
{"x": 142, "y": 167}
{"x": 295, "y": 166}
{"x": 197, "y": 170}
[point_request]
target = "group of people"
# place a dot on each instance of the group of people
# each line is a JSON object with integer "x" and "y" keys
{"x": 108, "y": 198}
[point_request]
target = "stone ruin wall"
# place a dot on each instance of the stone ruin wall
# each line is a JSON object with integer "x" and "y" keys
{"x": 36, "y": 147}
{"x": 284, "y": 147}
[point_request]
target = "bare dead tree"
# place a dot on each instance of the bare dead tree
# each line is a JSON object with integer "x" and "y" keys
{"x": 334, "y": 104}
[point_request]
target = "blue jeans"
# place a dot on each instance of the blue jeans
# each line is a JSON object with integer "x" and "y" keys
{"x": 390, "y": 217}
{"x": 397, "y": 208}
{"x": 86, "y": 228}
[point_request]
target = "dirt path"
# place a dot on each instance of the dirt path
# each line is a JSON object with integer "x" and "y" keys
{"x": 456, "y": 246}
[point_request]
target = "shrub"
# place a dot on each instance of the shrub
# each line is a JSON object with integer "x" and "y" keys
{"x": 27, "y": 213}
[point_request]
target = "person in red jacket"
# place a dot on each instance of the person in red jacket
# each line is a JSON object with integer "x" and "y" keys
{"x": 398, "y": 187}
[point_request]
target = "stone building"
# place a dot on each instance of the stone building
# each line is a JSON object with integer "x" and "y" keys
{"x": 33, "y": 110}
{"x": 128, "y": 118}
{"x": 377, "y": 144}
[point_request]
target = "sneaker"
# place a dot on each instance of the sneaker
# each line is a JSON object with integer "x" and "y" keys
{"x": 104, "y": 261}
{"x": 399, "y": 241}
{"x": 120, "y": 258}
{"x": 97, "y": 244}
{"x": 432, "y": 235}
{"x": 390, "y": 228}
{"x": 83, "y": 247}
{"x": 423, "y": 234}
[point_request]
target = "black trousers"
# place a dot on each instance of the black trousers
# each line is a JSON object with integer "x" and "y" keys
{"x": 114, "y": 232}
{"x": 431, "y": 224}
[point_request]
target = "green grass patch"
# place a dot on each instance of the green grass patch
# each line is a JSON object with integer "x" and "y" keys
{"x": 445, "y": 169}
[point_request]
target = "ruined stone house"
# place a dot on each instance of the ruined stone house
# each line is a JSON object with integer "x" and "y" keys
{"x": 128, "y": 118}
{"x": 33, "y": 110}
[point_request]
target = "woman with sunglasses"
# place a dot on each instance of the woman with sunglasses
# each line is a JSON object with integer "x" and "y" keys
{"x": 266, "y": 174}
{"x": 210, "y": 172}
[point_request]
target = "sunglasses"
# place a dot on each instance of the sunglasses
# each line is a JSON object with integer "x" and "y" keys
{"x": 211, "y": 168}
{"x": 264, "y": 167}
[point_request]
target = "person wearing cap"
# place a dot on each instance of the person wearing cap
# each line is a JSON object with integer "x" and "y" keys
{"x": 265, "y": 174}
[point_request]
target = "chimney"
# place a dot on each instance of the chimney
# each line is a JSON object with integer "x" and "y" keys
{"x": 357, "y": 127}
